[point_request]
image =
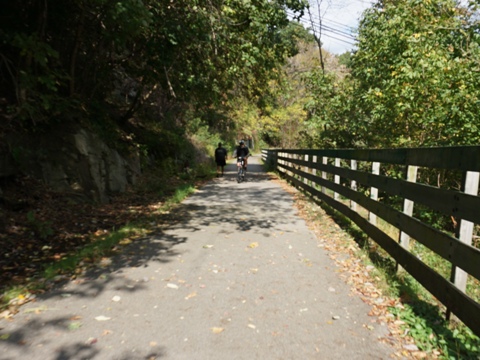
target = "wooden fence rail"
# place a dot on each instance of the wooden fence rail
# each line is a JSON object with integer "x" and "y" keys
{"x": 339, "y": 178}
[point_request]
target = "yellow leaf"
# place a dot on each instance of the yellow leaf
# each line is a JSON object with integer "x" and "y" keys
{"x": 217, "y": 330}
{"x": 253, "y": 245}
{"x": 189, "y": 296}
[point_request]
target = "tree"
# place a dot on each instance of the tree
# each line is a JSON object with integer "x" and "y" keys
{"x": 345, "y": 59}
{"x": 416, "y": 74}
{"x": 82, "y": 55}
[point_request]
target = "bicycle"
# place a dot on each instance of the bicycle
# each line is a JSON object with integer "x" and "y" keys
{"x": 242, "y": 170}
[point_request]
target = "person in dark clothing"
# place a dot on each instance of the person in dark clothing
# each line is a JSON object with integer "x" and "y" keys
{"x": 242, "y": 151}
{"x": 220, "y": 158}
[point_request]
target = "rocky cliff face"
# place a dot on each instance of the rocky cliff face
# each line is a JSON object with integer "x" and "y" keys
{"x": 76, "y": 163}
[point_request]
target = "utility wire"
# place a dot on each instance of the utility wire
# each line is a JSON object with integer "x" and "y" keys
{"x": 327, "y": 27}
{"x": 330, "y": 28}
{"x": 329, "y": 31}
{"x": 338, "y": 32}
{"x": 348, "y": 38}
{"x": 334, "y": 23}
{"x": 335, "y": 38}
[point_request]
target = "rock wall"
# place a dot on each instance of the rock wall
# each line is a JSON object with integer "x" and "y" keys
{"x": 75, "y": 162}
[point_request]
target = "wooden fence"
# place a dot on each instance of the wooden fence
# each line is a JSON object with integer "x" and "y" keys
{"x": 350, "y": 180}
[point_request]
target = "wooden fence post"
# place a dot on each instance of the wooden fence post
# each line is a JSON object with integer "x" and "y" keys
{"x": 305, "y": 180}
{"x": 408, "y": 205}
{"x": 282, "y": 162}
{"x": 404, "y": 239}
{"x": 465, "y": 234}
{"x": 466, "y": 229}
{"x": 336, "y": 196}
{"x": 289, "y": 163}
{"x": 324, "y": 173}
{"x": 353, "y": 185}
{"x": 374, "y": 193}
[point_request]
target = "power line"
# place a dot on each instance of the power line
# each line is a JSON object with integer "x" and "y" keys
{"x": 335, "y": 38}
{"x": 338, "y": 32}
{"x": 347, "y": 28}
{"x": 330, "y": 31}
{"x": 348, "y": 38}
{"x": 335, "y": 23}
{"x": 330, "y": 27}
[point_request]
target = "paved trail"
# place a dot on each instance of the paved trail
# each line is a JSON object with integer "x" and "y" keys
{"x": 240, "y": 276}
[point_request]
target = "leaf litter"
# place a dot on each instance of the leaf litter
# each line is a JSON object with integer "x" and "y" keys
{"x": 342, "y": 249}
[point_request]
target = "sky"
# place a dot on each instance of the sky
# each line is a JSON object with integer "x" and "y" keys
{"x": 340, "y": 19}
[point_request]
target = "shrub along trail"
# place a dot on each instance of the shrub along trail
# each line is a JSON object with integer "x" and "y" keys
{"x": 238, "y": 275}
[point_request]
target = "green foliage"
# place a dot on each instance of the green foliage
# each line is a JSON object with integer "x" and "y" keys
{"x": 92, "y": 252}
{"x": 332, "y": 121}
{"x": 105, "y": 245}
{"x": 129, "y": 54}
{"x": 416, "y": 74}
{"x": 345, "y": 59}
{"x": 414, "y": 80}
{"x": 423, "y": 322}
{"x": 282, "y": 126}
{"x": 42, "y": 229}
{"x": 180, "y": 194}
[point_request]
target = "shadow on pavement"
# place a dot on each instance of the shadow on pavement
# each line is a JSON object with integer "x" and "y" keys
{"x": 250, "y": 206}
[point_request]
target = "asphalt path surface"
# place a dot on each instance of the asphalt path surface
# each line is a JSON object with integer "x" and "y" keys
{"x": 238, "y": 276}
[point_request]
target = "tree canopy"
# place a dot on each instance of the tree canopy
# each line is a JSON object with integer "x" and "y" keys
{"x": 414, "y": 80}
{"x": 61, "y": 57}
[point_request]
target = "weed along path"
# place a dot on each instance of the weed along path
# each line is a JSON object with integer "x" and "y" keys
{"x": 238, "y": 275}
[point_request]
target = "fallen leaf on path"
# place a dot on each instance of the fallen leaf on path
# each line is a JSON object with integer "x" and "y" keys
{"x": 217, "y": 330}
{"x": 172, "y": 286}
{"x": 191, "y": 295}
{"x": 253, "y": 245}
{"x": 102, "y": 318}
{"x": 5, "y": 314}
{"x": 410, "y": 347}
{"x": 116, "y": 298}
{"x": 4, "y": 336}
{"x": 307, "y": 262}
{"x": 419, "y": 354}
{"x": 207, "y": 246}
{"x": 91, "y": 341}
{"x": 74, "y": 326}
{"x": 251, "y": 326}
{"x": 37, "y": 310}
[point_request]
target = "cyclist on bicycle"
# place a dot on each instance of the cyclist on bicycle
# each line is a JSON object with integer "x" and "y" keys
{"x": 242, "y": 152}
